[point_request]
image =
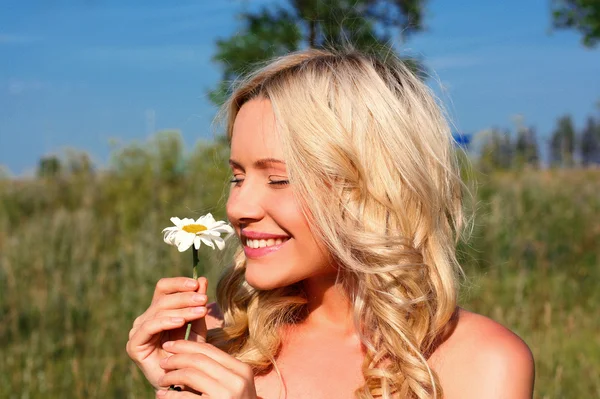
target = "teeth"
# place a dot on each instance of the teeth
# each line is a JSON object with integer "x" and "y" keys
{"x": 264, "y": 243}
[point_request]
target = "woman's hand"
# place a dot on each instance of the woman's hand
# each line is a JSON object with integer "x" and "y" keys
{"x": 203, "y": 368}
{"x": 176, "y": 301}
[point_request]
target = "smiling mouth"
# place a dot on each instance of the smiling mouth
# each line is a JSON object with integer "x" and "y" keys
{"x": 264, "y": 243}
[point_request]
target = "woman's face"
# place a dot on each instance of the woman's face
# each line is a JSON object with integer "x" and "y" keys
{"x": 279, "y": 245}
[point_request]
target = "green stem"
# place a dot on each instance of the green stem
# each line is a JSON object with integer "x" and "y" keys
{"x": 189, "y": 326}
{"x": 195, "y": 277}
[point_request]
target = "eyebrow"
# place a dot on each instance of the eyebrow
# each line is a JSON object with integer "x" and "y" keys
{"x": 263, "y": 163}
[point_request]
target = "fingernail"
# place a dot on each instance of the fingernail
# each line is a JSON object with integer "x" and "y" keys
{"x": 168, "y": 344}
{"x": 199, "y": 309}
{"x": 190, "y": 283}
{"x": 177, "y": 320}
{"x": 199, "y": 298}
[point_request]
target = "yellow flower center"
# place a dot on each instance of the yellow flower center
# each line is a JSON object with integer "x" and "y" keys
{"x": 194, "y": 228}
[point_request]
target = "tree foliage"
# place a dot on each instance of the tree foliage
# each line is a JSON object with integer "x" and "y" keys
{"x": 582, "y": 15}
{"x": 49, "y": 166}
{"x": 369, "y": 25}
{"x": 497, "y": 152}
{"x": 590, "y": 143}
{"x": 562, "y": 143}
{"x": 526, "y": 145}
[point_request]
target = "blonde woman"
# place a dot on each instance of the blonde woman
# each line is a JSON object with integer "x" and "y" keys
{"x": 347, "y": 202}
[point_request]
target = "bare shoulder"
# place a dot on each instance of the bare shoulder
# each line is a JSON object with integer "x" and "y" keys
{"x": 214, "y": 317}
{"x": 483, "y": 359}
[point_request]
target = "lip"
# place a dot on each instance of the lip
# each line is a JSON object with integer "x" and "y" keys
{"x": 254, "y": 253}
{"x": 258, "y": 235}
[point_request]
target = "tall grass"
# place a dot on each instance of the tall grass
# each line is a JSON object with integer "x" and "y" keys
{"x": 534, "y": 265}
{"x": 80, "y": 254}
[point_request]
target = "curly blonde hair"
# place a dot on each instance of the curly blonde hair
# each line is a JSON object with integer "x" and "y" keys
{"x": 367, "y": 142}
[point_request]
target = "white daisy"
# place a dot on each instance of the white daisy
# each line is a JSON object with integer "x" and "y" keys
{"x": 189, "y": 231}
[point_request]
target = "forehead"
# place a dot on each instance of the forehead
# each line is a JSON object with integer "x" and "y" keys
{"x": 254, "y": 133}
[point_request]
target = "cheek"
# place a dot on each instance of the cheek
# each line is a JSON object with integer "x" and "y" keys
{"x": 308, "y": 250}
{"x": 288, "y": 213}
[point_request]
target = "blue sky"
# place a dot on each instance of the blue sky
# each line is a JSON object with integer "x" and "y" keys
{"x": 76, "y": 74}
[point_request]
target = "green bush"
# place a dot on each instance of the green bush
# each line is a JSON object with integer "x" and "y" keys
{"x": 80, "y": 254}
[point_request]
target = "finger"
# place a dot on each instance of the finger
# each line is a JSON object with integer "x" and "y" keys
{"x": 180, "y": 300}
{"x": 221, "y": 357}
{"x": 165, "y": 322}
{"x": 199, "y": 326}
{"x": 198, "y": 361}
{"x": 225, "y": 377}
{"x": 194, "y": 315}
{"x": 189, "y": 314}
{"x": 172, "y": 285}
{"x": 150, "y": 328}
{"x": 202, "y": 285}
{"x": 196, "y": 380}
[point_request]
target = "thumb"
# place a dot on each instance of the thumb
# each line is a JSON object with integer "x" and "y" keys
{"x": 199, "y": 330}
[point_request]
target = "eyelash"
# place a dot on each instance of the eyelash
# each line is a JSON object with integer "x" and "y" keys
{"x": 275, "y": 183}
{"x": 280, "y": 182}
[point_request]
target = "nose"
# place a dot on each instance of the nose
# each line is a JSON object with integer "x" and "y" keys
{"x": 244, "y": 205}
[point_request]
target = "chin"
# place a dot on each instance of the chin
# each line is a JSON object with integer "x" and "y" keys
{"x": 264, "y": 280}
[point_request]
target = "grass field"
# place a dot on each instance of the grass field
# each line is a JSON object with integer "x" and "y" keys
{"x": 80, "y": 254}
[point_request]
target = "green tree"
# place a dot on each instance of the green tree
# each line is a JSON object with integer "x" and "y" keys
{"x": 526, "y": 148}
{"x": 562, "y": 143}
{"x": 497, "y": 152}
{"x": 582, "y": 15}
{"x": 590, "y": 143}
{"x": 278, "y": 29}
{"x": 77, "y": 163}
{"x": 49, "y": 166}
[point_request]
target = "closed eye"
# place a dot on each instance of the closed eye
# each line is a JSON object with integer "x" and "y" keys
{"x": 278, "y": 181}
{"x": 236, "y": 180}
{"x": 273, "y": 182}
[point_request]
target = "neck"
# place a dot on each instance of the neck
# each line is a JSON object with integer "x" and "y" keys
{"x": 329, "y": 307}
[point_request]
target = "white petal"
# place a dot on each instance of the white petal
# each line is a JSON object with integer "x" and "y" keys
{"x": 176, "y": 221}
{"x": 224, "y": 229}
{"x": 169, "y": 235}
{"x": 207, "y": 220}
{"x": 207, "y": 242}
{"x": 187, "y": 221}
{"x": 220, "y": 242}
{"x": 197, "y": 242}
{"x": 175, "y": 237}
{"x": 170, "y": 230}
{"x": 211, "y": 233}
{"x": 185, "y": 241}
